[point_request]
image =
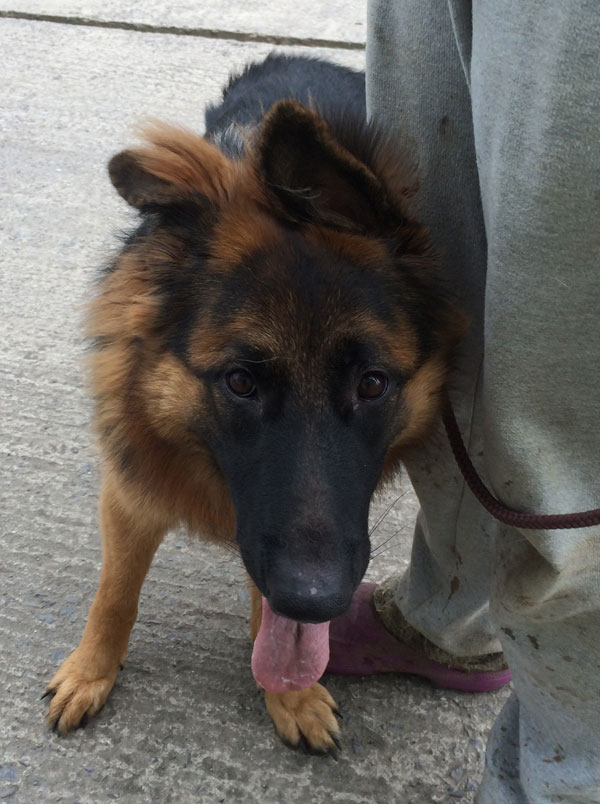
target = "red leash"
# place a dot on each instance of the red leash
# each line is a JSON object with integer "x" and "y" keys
{"x": 518, "y": 519}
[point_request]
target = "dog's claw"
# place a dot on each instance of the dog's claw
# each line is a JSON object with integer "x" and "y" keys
{"x": 337, "y": 742}
{"x": 305, "y": 719}
{"x": 46, "y": 694}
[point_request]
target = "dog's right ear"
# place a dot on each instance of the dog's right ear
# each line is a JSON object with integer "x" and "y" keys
{"x": 176, "y": 166}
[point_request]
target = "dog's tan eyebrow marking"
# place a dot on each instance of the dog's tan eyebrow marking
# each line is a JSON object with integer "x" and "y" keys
{"x": 226, "y": 352}
{"x": 265, "y": 359}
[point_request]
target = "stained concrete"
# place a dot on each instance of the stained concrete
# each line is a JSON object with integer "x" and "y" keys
{"x": 184, "y": 722}
{"x": 342, "y": 23}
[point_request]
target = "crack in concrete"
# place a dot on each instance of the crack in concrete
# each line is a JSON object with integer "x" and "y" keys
{"x": 204, "y": 33}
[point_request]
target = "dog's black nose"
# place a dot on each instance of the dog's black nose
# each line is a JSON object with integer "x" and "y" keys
{"x": 308, "y": 605}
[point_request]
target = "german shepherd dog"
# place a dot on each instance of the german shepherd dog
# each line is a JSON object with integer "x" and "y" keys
{"x": 268, "y": 342}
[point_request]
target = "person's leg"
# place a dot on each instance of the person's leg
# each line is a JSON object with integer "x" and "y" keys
{"x": 417, "y": 92}
{"x": 536, "y": 109}
{"x": 416, "y": 89}
{"x": 536, "y": 121}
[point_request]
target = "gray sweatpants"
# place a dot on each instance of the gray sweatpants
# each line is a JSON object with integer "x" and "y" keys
{"x": 503, "y": 99}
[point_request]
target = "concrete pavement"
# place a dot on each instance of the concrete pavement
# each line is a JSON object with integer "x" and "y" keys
{"x": 185, "y": 722}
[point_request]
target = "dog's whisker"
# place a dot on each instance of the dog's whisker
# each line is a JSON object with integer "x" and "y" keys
{"x": 233, "y": 549}
{"x": 382, "y": 548}
{"x": 385, "y": 546}
{"x": 380, "y": 553}
{"x": 385, "y": 513}
{"x": 383, "y": 543}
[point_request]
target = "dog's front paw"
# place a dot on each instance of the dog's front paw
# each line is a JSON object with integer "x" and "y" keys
{"x": 79, "y": 690}
{"x": 305, "y": 718}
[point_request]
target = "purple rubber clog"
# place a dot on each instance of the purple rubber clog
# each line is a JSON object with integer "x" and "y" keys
{"x": 360, "y": 645}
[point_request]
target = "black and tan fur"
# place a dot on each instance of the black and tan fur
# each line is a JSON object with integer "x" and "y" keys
{"x": 291, "y": 255}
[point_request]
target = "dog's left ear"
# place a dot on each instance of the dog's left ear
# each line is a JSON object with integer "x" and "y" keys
{"x": 313, "y": 177}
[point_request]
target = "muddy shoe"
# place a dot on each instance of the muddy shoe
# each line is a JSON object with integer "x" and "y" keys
{"x": 373, "y": 637}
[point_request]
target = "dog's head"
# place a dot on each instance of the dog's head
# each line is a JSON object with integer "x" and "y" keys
{"x": 280, "y": 317}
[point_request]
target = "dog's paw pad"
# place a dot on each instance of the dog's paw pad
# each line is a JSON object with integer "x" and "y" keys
{"x": 305, "y": 719}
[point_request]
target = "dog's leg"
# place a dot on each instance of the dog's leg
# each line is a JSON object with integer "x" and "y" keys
{"x": 304, "y": 718}
{"x": 84, "y": 680}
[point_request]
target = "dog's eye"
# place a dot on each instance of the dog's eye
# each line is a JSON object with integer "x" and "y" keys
{"x": 372, "y": 385}
{"x": 241, "y": 383}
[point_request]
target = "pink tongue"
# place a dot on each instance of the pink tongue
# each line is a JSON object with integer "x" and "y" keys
{"x": 288, "y": 655}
